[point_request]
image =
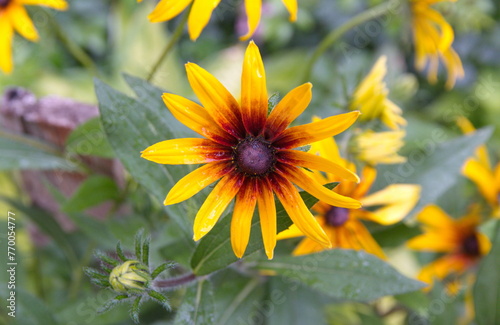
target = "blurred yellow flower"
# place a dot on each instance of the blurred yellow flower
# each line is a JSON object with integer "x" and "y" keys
{"x": 433, "y": 37}
{"x": 202, "y": 11}
{"x": 370, "y": 97}
{"x": 459, "y": 239}
{"x": 379, "y": 147}
{"x": 480, "y": 171}
{"x": 342, "y": 225}
{"x": 13, "y": 17}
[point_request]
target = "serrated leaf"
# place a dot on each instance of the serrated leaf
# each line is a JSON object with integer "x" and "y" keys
{"x": 198, "y": 306}
{"x": 89, "y": 139}
{"x": 214, "y": 250}
{"x": 343, "y": 274}
{"x": 93, "y": 191}
{"x": 487, "y": 287}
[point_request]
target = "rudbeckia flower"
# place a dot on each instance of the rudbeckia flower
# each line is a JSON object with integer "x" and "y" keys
{"x": 13, "y": 17}
{"x": 433, "y": 37}
{"x": 251, "y": 153}
{"x": 459, "y": 239}
{"x": 202, "y": 11}
{"x": 480, "y": 171}
{"x": 379, "y": 147}
{"x": 343, "y": 225}
{"x": 370, "y": 97}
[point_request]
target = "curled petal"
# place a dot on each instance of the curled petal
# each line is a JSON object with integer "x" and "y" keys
{"x": 199, "y": 16}
{"x": 167, "y": 9}
{"x": 253, "y": 9}
{"x": 291, "y": 6}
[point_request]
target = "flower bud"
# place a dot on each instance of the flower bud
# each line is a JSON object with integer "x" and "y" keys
{"x": 131, "y": 275}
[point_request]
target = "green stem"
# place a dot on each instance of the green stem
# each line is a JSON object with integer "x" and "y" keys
{"x": 335, "y": 34}
{"x": 73, "y": 48}
{"x": 175, "y": 37}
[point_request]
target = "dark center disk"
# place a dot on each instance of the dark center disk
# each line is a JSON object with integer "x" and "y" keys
{"x": 4, "y": 3}
{"x": 470, "y": 245}
{"x": 336, "y": 217}
{"x": 254, "y": 157}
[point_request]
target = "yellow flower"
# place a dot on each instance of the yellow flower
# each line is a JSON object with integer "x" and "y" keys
{"x": 433, "y": 37}
{"x": 379, "y": 147}
{"x": 343, "y": 225}
{"x": 13, "y": 17}
{"x": 480, "y": 171}
{"x": 370, "y": 97}
{"x": 202, "y": 11}
{"x": 251, "y": 153}
{"x": 459, "y": 239}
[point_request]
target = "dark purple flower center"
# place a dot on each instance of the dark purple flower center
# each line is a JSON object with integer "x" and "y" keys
{"x": 336, "y": 216}
{"x": 470, "y": 245}
{"x": 4, "y": 3}
{"x": 254, "y": 157}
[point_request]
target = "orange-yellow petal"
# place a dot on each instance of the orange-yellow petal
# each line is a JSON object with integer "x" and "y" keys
{"x": 253, "y": 91}
{"x": 307, "y": 246}
{"x": 483, "y": 178}
{"x": 186, "y": 151}
{"x": 200, "y": 16}
{"x": 288, "y": 109}
{"x": 307, "y": 160}
{"x": 267, "y": 214}
{"x": 368, "y": 175}
{"x": 216, "y": 202}
{"x": 435, "y": 242}
{"x": 442, "y": 267}
{"x": 168, "y": 9}
{"x": 54, "y": 4}
{"x": 21, "y": 22}
{"x": 301, "y": 135}
{"x": 253, "y": 9}
{"x": 357, "y": 232}
{"x": 197, "y": 180}
{"x": 6, "y": 35}
{"x": 216, "y": 99}
{"x": 484, "y": 243}
{"x": 241, "y": 221}
{"x": 291, "y": 6}
{"x": 434, "y": 217}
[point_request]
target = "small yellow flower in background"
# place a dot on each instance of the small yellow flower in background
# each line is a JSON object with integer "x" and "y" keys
{"x": 370, "y": 97}
{"x": 379, "y": 147}
{"x": 251, "y": 153}
{"x": 130, "y": 275}
{"x": 13, "y": 17}
{"x": 202, "y": 11}
{"x": 343, "y": 225}
{"x": 480, "y": 171}
{"x": 459, "y": 239}
{"x": 433, "y": 37}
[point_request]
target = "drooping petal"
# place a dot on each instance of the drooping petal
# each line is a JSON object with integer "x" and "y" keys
{"x": 168, "y": 9}
{"x": 21, "y": 22}
{"x": 313, "y": 187}
{"x": 197, "y": 119}
{"x": 216, "y": 99}
{"x": 483, "y": 178}
{"x": 327, "y": 149}
{"x": 186, "y": 151}
{"x": 396, "y": 200}
{"x": 253, "y": 91}
{"x": 6, "y": 35}
{"x": 291, "y": 6}
{"x": 55, "y": 4}
{"x": 359, "y": 236}
{"x": 440, "y": 242}
{"x": 297, "y": 210}
{"x": 197, "y": 180}
{"x": 241, "y": 221}
{"x": 368, "y": 175}
{"x": 307, "y": 246}
{"x": 215, "y": 204}
{"x": 199, "y": 16}
{"x": 301, "y": 135}
{"x": 434, "y": 217}
{"x": 441, "y": 267}
{"x": 292, "y": 232}
{"x": 267, "y": 214}
{"x": 287, "y": 110}
{"x": 484, "y": 243}
{"x": 253, "y": 9}
{"x": 307, "y": 160}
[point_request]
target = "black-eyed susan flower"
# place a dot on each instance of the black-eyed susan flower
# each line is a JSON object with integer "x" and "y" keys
{"x": 343, "y": 225}
{"x": 201, "y": 12}
{"x": 370, "y": 97}
{"x": 433, "y": 37}
{"x": 251, "y": 153}
{"x": 459, "y": 239}
{"x": 480, "y": 171}
{"x": 379, "y": 147}
{"x": 13, "y": 17}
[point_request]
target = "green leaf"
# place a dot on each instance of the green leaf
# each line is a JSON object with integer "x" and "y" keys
{"x": 21, "y": 152}
{"x": 435, "y": 167}
{"x": 32, "y": 310}
{"x": 131, "y": 126}
{"x": 93, "y": 191}
{"x": 198, "y": 305}
{"x": 343, "y": 274}
{"x": 214, "y": 251}
{"x": 89, "y": 139}
{"x": 487, "y": 287}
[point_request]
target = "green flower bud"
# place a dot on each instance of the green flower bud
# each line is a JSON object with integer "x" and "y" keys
{"x": 131, "y": 275}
